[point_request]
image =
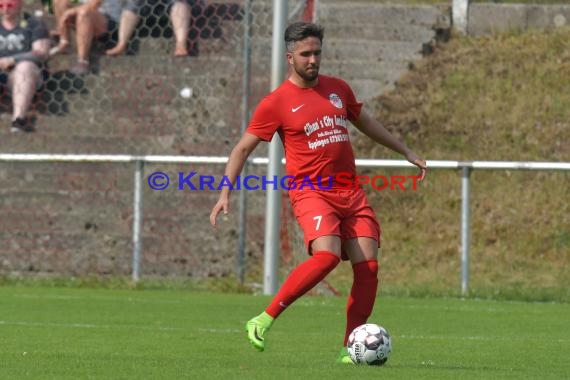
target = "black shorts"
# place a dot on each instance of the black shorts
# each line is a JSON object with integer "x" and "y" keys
{"x": 111, "y": 37}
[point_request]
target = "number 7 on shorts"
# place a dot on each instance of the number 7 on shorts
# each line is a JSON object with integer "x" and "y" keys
{"x": 318, "y": 218}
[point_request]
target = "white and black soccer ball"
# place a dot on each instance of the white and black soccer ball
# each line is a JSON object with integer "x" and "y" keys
{"x": 369, "y": 344}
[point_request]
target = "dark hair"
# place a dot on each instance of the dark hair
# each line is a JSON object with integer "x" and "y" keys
{"x": 300, "y": 30}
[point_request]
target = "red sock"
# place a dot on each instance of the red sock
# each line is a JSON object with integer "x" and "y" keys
{"x": 362, "y": 295}
{"x": 302, "y": 279}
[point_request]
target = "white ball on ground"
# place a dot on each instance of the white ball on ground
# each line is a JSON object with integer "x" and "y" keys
{"x": 186, "y": 92}
{"x": 369, "y": 344}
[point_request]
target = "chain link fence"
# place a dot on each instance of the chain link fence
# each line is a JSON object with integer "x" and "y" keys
{"x": 75, "y": 219}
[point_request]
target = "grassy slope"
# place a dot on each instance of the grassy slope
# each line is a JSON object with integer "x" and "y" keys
{"x": 503, "y": 97}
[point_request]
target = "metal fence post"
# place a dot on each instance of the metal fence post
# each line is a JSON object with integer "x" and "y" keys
{"x": 137, "y": 219}
{"x": 465, "y": 173}
{"x": 245, "y": 119}
{"x": 273, "y": 205}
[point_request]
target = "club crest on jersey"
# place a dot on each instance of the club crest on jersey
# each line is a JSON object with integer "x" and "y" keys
{"x": 335, "y": 100}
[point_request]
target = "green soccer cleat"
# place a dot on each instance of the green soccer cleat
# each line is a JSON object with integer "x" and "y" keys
{"x": 343, "y": 357}
{"x": 257, "y": 328}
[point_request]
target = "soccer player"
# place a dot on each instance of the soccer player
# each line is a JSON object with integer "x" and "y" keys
{"x": 310, "y": 113}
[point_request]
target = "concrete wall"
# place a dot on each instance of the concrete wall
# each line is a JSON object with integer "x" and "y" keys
{"x": 492, "y": 18}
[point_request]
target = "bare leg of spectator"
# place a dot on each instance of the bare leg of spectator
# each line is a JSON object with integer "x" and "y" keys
{"x": 89, "y": 24}
{"x": 24, "y": 79}
{"x": 127, "y": 25}
{"x": 23, "y": 82}
{"x": 63, "y": 32}
{"x": 180, "y": 15}
{"x": 59, "y": 8}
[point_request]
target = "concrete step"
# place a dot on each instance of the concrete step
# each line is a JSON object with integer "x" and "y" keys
{"x": 54, "y": 137}
{"x": 139, "y": 96}
{"x": 365, "y": 15}
{"x": 380, "y": 32}
{"x": 146, "y": 106}
{"x": 366, "y": 89}
{"x": 154, "y": 64}
{"x": 347, "y": 50}
{"x": 361, "y": 69}
{"x": 370, "y": 66}
{"x": 165, "y": 46}
{"x": 371, "y": 45}
{"x": 49, "y": 139}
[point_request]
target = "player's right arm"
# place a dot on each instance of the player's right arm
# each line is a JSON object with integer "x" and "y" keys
{"x": 235, "y": 164}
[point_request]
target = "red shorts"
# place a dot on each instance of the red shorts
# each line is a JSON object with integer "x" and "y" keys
{"x": 343, "y": 213}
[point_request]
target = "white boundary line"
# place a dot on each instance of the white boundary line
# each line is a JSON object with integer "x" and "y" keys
{"x": 87, "y": 326}
{"x": 236, "y": 331}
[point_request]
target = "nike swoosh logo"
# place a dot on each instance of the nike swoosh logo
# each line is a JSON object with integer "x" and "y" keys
{"x": 282, "y": 304}
{"x": 297, "y": 108}
{"x": 256, "y": 335}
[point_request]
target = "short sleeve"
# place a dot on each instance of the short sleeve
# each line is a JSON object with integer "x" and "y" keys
{"x": 353, "y": 107}
{"x": 265, "y": 120}
{"x": 39, "y": 29}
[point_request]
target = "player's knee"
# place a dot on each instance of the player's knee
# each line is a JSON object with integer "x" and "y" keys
{"x": 328, "y": 259}
{"x": 366, "y": 271}
{"x": 26, "y": 70}
{"x": 83, "y": 13}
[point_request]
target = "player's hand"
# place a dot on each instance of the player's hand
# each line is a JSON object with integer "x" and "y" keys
{"x": 221, "y": 205}
{"x": 419, "y": 162}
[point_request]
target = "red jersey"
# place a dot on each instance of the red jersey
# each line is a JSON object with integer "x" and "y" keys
{"x": 313, "y": 126}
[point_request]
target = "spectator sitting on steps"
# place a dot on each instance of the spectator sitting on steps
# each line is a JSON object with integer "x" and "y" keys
{"x": 24, "y": 48}
{"x": 127, "y": 25}
{"x": 96, "y": 19}
{"x": 58, "y": 8}
{"x": 180, "y": 15}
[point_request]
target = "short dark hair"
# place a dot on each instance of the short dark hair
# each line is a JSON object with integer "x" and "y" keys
{"x": 300, "y": 30}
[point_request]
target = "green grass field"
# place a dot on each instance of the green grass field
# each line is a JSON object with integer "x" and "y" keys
{"x": 65, "y": 333}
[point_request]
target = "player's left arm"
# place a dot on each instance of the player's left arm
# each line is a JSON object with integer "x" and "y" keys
{"x": 377, "y": 132}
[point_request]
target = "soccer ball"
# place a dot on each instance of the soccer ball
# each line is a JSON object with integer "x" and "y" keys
{"x": 369, "y": 344}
